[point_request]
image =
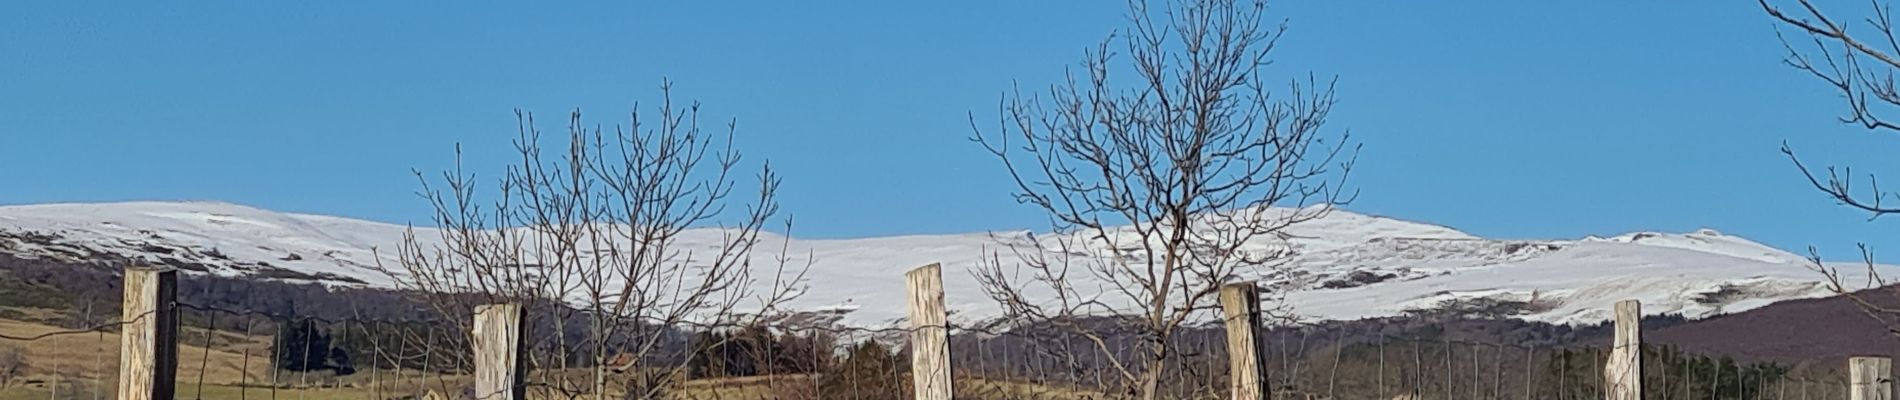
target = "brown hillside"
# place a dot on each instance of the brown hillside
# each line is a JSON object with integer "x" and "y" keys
{"x": 1825, "y": 330}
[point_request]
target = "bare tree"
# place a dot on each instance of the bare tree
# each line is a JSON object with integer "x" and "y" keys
{"x": 631, "y": 231}
{"x": 1859, "y": 64}
{"x": 1162, "y": 185}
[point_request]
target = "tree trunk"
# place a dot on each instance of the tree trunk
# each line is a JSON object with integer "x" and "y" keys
{"x": 1151, "y": 374}
{"x": 600, "y": 360}
{"x": 1151, "y": 383}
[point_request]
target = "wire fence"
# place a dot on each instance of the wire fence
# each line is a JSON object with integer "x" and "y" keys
{"x": 245, "y": 354}
{"x": 70, "y": 358}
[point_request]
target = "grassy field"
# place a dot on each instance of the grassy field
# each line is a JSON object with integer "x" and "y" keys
{"x": 85, "y": 366}
{"x": 94, "y": 356}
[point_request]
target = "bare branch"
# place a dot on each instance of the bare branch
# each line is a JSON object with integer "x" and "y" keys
{"x": 626, "y": 230}
{"x": 1162, "y": 184}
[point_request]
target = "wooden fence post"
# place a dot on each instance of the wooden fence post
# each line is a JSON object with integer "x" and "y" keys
{"x": 1623, "y": 373}
{"x": 1870, "y": 378}
{"x": 1247, "y": 376}
{"x": 500, "y": 369}
{"x": 929, "y": 334}
{"x": 148, "y": 344}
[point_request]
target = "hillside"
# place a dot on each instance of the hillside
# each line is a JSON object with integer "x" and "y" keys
{"x": 1348, "y": 265}
{"x": 1787, "y": 331}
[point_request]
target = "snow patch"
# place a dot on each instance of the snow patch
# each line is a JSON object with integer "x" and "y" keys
{"x": 1347, "y": 265}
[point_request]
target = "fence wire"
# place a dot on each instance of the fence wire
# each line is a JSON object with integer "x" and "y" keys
{"x": 245, "y": 355}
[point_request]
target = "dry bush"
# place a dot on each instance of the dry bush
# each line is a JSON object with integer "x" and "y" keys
{"x": 13, "y": 365}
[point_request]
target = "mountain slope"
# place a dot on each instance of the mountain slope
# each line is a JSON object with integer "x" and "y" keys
{"x": 1347, "y": 265}
{"x": 1785, "y": 331}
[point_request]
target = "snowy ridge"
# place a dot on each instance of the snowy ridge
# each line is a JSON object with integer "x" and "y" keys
{"x": 1347, "y": 266}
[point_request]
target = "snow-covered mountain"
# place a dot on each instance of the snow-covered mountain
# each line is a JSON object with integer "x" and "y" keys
{"x": 1347, "y": 265}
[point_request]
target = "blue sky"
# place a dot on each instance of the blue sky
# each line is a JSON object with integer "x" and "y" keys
{"x": 1504, "y": 119}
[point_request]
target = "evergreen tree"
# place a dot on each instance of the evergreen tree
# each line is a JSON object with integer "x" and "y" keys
{"x": 870, "y": 371}
{"x": 709, "y": 355}
{"x": 302, "y": 346}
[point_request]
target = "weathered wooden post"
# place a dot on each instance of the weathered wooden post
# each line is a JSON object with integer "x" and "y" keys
{"x": 929, "y": 333}
{"x": 1623, "y": 373}
{"x": 501, "y": 370}
{"x": 1247, "y": 376}
{"x": 1870, "y": 378}
{"x": 148, "y": 345}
